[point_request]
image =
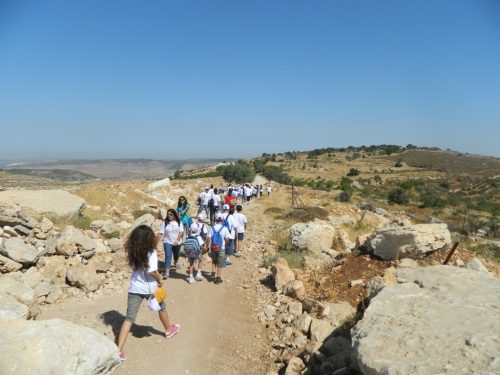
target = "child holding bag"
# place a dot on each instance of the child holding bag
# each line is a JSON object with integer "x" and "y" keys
{"x": 145, "y": 280}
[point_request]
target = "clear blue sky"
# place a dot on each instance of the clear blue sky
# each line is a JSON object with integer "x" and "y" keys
{"x": 169, "y": 79}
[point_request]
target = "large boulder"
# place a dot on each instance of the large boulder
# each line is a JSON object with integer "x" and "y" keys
{"x": 312, "y": 236}
{"x": 412, "y": 241}
{"x": 438, "y": 319}
{"x": 159, "y": 184}
{"x": 146, "y": 219}
{"x": 54, "y": 347}
{"x": 16, "y": 249}
{"x": 59, "y": 202}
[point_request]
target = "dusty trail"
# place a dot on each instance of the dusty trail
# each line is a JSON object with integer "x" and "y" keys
{"x": 220, "y": 332}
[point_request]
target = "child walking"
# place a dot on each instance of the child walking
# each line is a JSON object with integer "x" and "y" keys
{"x": 192, "y": 248}
{"x": 145, "y": 279}
{"x": 219, "y": 235}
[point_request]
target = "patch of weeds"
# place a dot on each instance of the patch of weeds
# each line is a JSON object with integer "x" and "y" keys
{"x": 82, "y": 222}
{"x": 488, "y": 251}
{"x": 294, "y": 258}
{"x": 110, "y": 235}
{"x": 52, "y": 216}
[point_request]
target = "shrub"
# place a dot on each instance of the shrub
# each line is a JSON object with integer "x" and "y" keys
{"x": 377, "y": 179}
{"x": 345, "y": 184}
{"x": 398, "y": 196}
{"x": 240, "y": 172}
{"x": 353, "y": 172}
{"x": 82, "y": 222}
{"x": 344, "y": 196}
{"x": 398, "y": 164}
{"x": 431, "y": 199}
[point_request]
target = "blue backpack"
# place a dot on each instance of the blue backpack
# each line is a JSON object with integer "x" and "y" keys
{"x": 217, "y": 240}
{"x": 225, "y": 223}
{"x": 192, "y": 247}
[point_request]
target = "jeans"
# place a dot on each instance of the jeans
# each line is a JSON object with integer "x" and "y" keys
{"x": 213, "y": 210}
{"x": 169, "y": 249}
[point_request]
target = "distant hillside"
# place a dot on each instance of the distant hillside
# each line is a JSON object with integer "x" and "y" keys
{"x": 449, "y": 162}
{"x": 63, "y": 175}
{"x": 120, "y": 169}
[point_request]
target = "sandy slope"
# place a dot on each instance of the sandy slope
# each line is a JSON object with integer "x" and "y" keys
{"x": 220, "y": 333}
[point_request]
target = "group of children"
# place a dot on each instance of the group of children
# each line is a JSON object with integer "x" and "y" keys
{"x": 221, "y": 236}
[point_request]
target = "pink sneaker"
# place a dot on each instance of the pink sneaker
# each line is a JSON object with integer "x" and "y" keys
{"x": 174, "y": 328}
{"x": 122, "y": 356}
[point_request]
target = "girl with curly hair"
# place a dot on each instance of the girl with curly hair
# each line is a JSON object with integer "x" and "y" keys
{"x": 145, "y": 279}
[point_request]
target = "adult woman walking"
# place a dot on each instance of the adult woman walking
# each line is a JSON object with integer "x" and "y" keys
{"x": 145, "y": 279}
{"x": 172, "y": 233}
{"x": 183, "y": 212}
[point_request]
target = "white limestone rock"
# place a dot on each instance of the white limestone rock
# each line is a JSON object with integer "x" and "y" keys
{"x": 17, "y": 250}
{"x": 54, "y": 347}
{"x": 413, "y": 241}
{"x": 438, "y": 319}
{"x": 59, "y": 202}
{"x": 312, "y": 236}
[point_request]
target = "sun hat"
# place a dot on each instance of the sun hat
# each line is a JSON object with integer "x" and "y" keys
{"x": 201, "y": 217}
{"x": 225, "y": 207}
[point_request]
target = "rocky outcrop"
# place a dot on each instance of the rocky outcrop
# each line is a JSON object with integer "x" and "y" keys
{"x": 59, "y": 202}
{"x": 10, "y": 308}
{"x": 84, "y": 277}
{"x": 146, "y": 219}
{"x": 312, "y": 236}
{"x": 438, "y": 319}
{"x": 412, "y": 241}
{"x": 54, "y": 347}
{"x": 282, "y": 274}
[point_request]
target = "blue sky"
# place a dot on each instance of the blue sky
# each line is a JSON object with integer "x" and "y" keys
{"x": 180, "y": 79}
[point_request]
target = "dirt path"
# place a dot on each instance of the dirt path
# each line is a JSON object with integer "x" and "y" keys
{"x": 220, "y": 332}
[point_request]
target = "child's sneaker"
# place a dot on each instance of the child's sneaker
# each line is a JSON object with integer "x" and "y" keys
{"x": 122, "y": 356}
{"x": 237, "y": 254}
{"x": 228, "y": 262}
{"x": 191, "y": 279}
{"x": 165, "y": 276}
{"x": 174, "y": 328}
{"x": 212, "y": 277}
{"x": 198, "y": 277}
{"x": 218, "y": 280}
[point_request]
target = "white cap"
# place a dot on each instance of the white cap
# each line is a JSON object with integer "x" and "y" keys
{"x": 225, "y": 207}
{"x": 201, "y": 216}
{"x": 194, "y": 229}
{"x": 218, "y": 216}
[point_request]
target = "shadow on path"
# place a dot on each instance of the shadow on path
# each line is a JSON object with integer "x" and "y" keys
{"x": 115, "y": 319}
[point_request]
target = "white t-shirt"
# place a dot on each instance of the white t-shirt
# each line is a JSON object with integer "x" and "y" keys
{"x": 224, "y": 233}
{"x": 232, "y": 224}
{"x": 241, "y": 220}
{"x": 205, "y": 196}
{"x": 141, "y": 282}
{"x": 171, "y": 231}
{"x": 216, "y": 199}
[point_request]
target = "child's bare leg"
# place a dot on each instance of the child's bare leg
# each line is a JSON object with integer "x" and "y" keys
{"x": 164, "y": 319}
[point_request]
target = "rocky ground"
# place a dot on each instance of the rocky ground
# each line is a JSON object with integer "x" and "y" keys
{"x": 369, "y": 295}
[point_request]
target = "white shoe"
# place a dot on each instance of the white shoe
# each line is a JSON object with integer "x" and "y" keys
{"x": 191, "y": 280}
{"x": 198, "y": 277}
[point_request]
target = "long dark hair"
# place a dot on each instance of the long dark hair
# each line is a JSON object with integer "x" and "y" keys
{"x": 179, "y": 204}
{"x": 139, "y": 243}
{"x": 176, "y": 216}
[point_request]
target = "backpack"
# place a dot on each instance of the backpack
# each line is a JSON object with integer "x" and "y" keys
{"x": 217, "y": 240}
{"x": 203, "y": 235}
{"x": 192, "y": 247}
{"x": 225, "y": 223}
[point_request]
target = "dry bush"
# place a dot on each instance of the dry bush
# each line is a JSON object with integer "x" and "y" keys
{"x": 303, "y": 215}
